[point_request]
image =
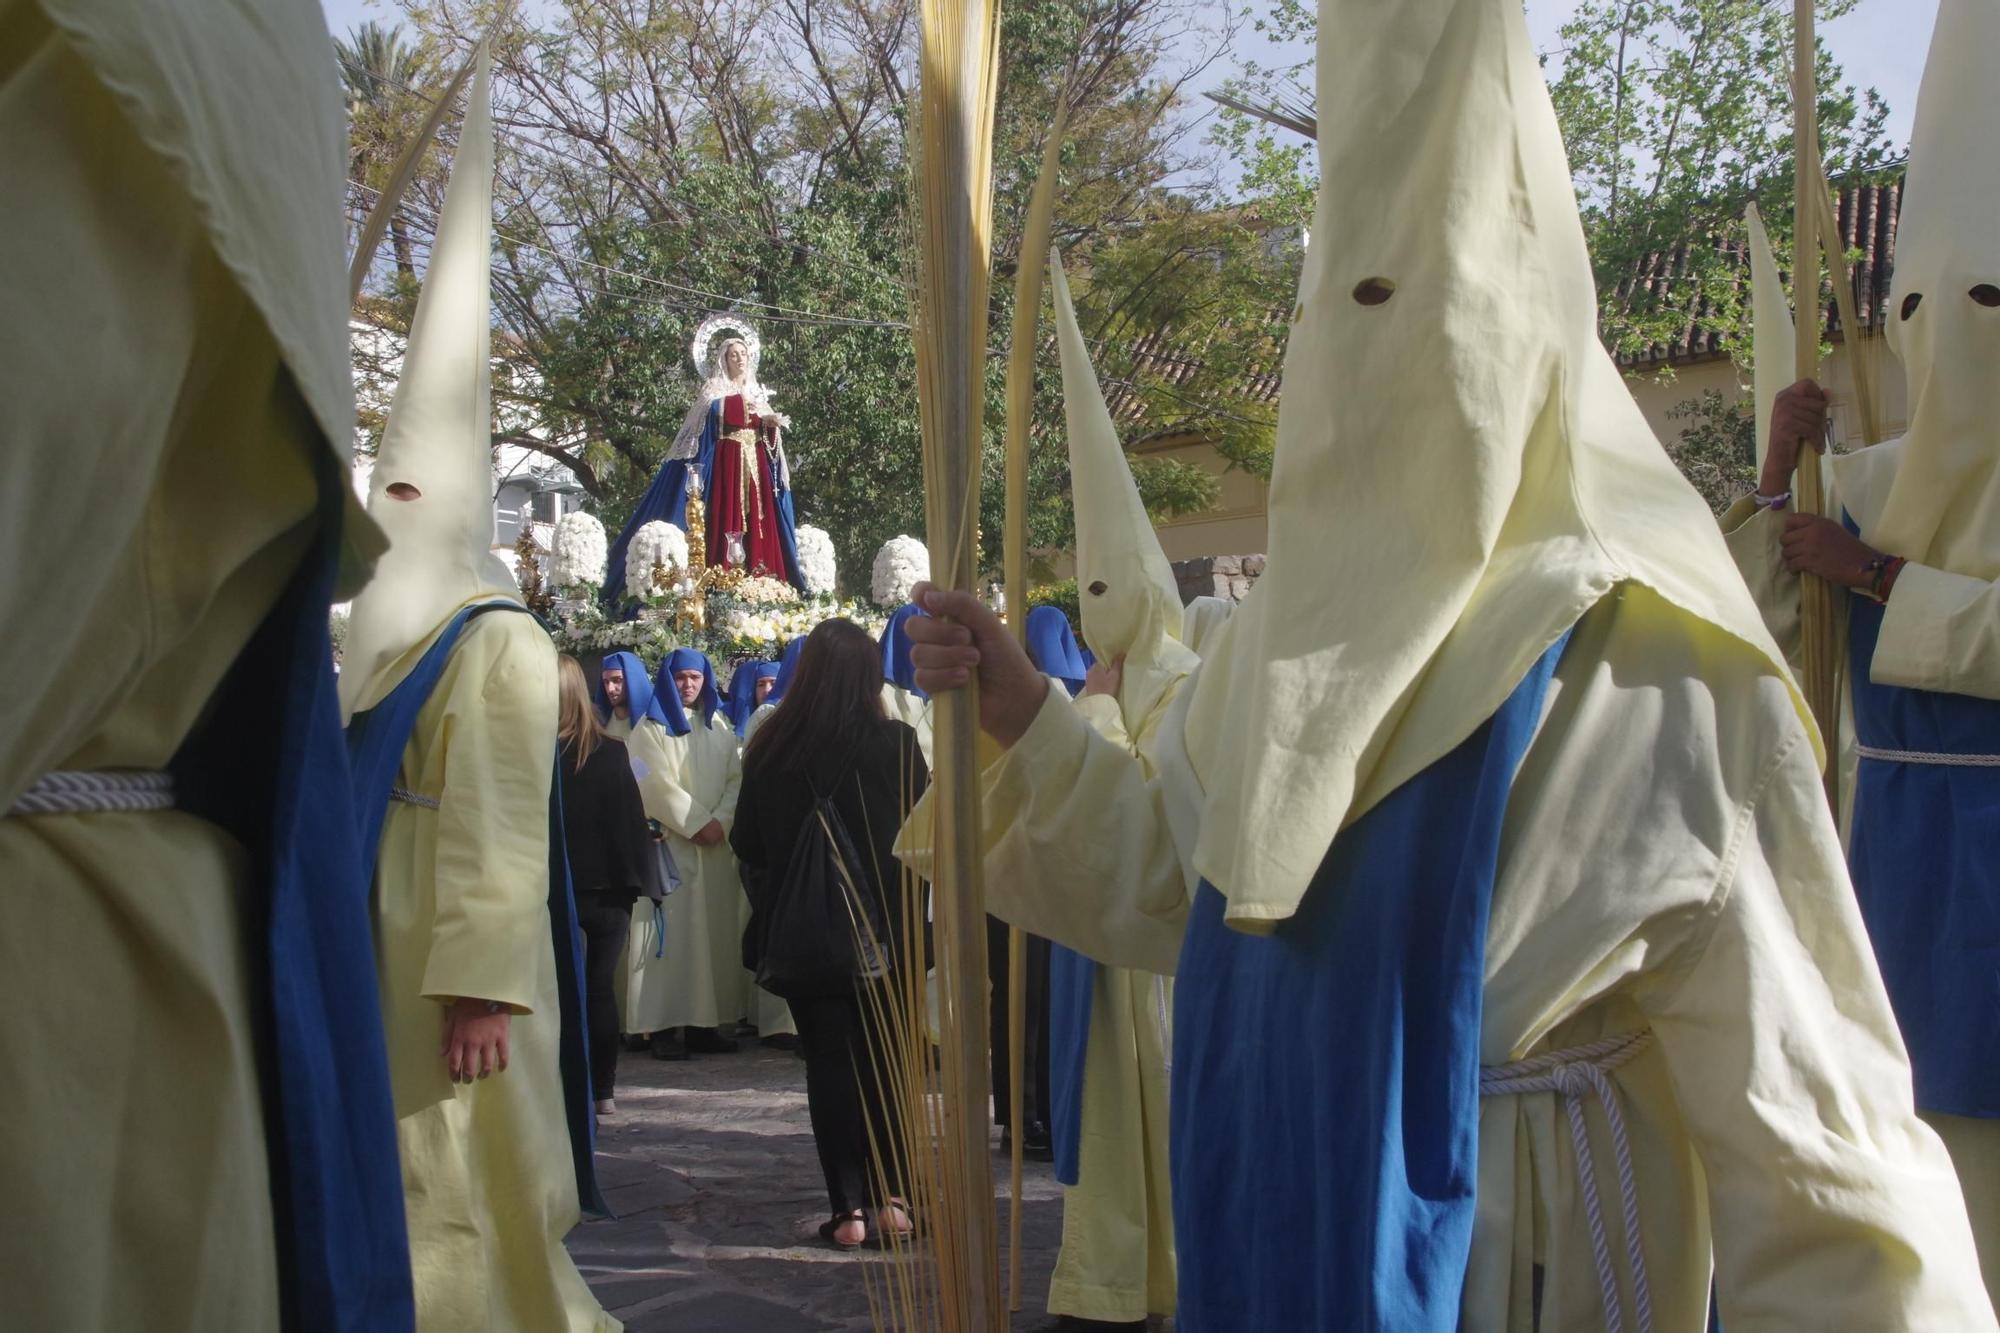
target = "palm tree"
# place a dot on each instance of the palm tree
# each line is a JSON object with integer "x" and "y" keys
{"x": 384, "y": 77}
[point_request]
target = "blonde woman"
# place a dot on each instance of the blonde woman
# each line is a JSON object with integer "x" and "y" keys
{"x": 609, "y": 845}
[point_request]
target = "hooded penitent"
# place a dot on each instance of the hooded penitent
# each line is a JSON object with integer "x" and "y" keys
{"x": 897, "y": 669}
{"x": 1052, "y": 646}
{"x": 1130, "y": 602}
{"x": 432, "y": 488}
{"x": 741, "y": 701}
{"x": 788, "y": 666}
{"x": 1774, "y": 338}
{"x": 666, "y": 693}
{"x": 1460, "y": 472}
{"x": 1941, "y": 506}
{"x": 1202, "y": 621}
{"x": 640, "y": 699}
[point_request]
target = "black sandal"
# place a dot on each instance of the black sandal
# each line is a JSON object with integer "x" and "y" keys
{"x": 838, "y": 1220}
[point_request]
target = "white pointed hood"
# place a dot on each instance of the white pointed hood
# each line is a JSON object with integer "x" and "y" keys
{"x": 1938, "y": 499}
{"x": 1460, "y": 471}
{"x": 1125, "y": 585}
{"x": 1773, "y": 337}
{"x": 436, "y": 446}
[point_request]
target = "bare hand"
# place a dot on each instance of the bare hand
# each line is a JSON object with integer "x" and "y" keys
{"x": 1105, "y": 677}
{"x": 475, "y": 1040}
{"x": 1798, "y": 416}
{"x": 1816, "y": 545}
{"x": 708, "y": 835}
{"x": 960, "y": 638}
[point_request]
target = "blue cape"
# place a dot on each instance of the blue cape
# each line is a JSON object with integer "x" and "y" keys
{"x": 667, "y": 695}
{"x": 641, "y": 700}
{"x": 741, "y": 701}
{"x": 896, "y": 667}
{"x": 1052, "y": 647}
{"x": 666, "y": 501}
{"x": 268, "y": 764}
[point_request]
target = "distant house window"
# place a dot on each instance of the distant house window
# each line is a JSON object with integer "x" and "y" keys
{"x": 548, "y": 506}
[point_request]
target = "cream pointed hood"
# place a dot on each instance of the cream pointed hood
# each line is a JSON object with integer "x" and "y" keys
{"x": 1938, "y": 501}
{"x": 1773, "y": 338}
{"x": 1125, "y": 585}
{"x": 1460, "y": 472}
{"x": 437, "y": 440}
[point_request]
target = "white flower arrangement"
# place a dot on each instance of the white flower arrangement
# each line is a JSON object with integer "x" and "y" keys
{"x": 655, "y": 543}
{"x": 580, "y": 552}
{"x": 762, "y": 591}
{"x": 816, "y": 560}
{"x": 901, "y": 564}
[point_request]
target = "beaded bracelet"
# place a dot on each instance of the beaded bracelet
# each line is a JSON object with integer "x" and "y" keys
{"x": 1778, "y": 501}
{"x": 1882, "y": 571}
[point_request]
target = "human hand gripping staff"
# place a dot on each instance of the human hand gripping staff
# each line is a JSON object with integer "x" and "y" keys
{"x": 958, "y": 637}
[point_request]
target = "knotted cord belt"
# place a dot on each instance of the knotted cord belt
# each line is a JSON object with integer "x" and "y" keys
{"x": 749, "y": 485}
{"x": 1926, "y": 757}
{"x": 408, "y": 797}
{"x": 1575, "y": 1074}
{"x": 71, "y": 792}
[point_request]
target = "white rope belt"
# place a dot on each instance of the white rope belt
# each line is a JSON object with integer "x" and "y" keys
{"x": 408, "y": 797}
{"x": 1575, "y": 1074}
{"x": 111, "y": 791}
{"x": 1926, "y": 757}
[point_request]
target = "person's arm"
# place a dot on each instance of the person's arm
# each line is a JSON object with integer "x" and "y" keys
{"x": 1078, "y": 847}
{"x": 626, "y": 810}
{"x": 659, "y": 771}
{"x": 724, "y": 812}
{"x": 1940, "y": 631}
{"x": 1832, "y": 1205}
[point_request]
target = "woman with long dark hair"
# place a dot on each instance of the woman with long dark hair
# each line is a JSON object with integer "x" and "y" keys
{"x": 830, "y": 738}
{"x": 609, "y": 844}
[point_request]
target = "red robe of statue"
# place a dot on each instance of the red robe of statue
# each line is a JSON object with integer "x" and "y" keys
{"x": 742, "y": 492}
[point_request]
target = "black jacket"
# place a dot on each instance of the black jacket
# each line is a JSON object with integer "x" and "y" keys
{"x": 609, "y": 844}
{"x": 873, "y": 785}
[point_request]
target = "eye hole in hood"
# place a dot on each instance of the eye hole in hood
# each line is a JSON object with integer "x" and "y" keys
{"x": 402, "y": 490}
{"x": 1911, "y": 302}
{"x": 1374, "y": 291}
{"x": 1986, "y": 294}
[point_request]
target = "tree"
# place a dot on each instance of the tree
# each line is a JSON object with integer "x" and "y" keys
{"x": 663, "y": 159}
{"x": 385, "y": 80}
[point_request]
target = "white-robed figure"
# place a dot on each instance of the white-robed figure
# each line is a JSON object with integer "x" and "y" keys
{"x": 195, "y": 1131}
{"x": 696, "y": 981}
{"x": 1915, "y": 547}
{"x": 1109, "y": 1026}
{"x": 1494, "y": 784}
{"x": 451, "y": 687}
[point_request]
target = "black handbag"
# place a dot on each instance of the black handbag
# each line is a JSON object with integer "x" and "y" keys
{"x": 824, "y": 930}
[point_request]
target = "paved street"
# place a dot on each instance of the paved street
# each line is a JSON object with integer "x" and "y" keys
{"x": 711, "y": 1170}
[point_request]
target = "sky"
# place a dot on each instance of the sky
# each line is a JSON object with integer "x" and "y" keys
{"x": 1881, "y": 45}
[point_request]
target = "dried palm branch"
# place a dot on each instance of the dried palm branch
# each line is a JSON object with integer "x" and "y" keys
{"x": 953, "y": 186}
{"x": 399, "y": 179}
{"x": 1014, "y": 572}
{"x": 1861, "y": 345}
{"x": 1819, "y": 629}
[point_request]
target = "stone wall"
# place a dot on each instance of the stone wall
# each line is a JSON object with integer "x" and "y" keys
{"x": 1224, "y": 576}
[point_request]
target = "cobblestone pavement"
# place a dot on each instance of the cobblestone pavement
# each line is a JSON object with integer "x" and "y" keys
{"x": 709, "y": 1166}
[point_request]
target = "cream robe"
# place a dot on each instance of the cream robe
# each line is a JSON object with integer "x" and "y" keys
{"x": 699, "y": 982}
{"x": 1668, "y": 863}
{"x": 1117, "y": 1257}
{"x": 159, "y": 495}
{"x": 1940, "y": 631}
{"x": 461, "y": 902}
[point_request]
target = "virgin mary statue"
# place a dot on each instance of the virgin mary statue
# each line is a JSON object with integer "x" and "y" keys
{"x": 729, "y": 453}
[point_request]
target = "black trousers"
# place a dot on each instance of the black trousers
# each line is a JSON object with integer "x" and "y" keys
{"x": 1035, "y": 1097}
{"x": 855, "y": 1125}
{"x": 606, "y": 919}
